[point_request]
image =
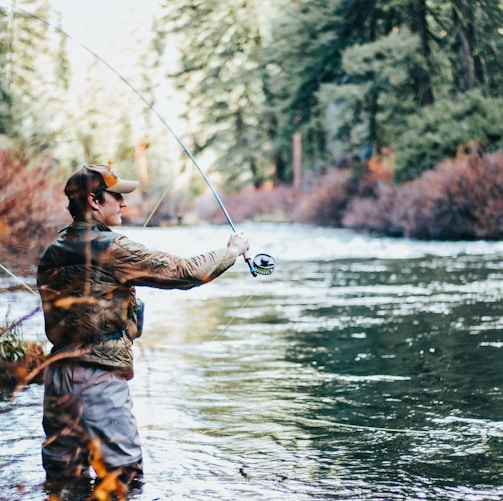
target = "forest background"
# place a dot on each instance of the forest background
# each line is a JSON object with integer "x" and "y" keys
{"x": 384, "y": 116}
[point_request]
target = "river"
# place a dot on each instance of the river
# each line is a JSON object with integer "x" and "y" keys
{"x": 362, "y": 369}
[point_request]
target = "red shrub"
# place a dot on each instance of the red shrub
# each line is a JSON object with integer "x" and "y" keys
{"x": 376, "y": 213}
{"x": 326, "y": 200}
{"x": 250, "y": 204}
{"x": 459, "y": 199}
{"x": 32, "y": 208}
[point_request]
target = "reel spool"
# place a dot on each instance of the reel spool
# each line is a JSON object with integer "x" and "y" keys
{"x": 263, "y": 264}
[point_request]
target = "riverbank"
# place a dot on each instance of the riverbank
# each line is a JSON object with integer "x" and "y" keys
{"x": 459, "y": 200}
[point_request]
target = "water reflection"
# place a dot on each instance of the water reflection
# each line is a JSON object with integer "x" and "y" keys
{"x": 361, "y": 369}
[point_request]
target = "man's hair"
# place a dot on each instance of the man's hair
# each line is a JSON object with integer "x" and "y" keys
{"x": 79, "y": 207}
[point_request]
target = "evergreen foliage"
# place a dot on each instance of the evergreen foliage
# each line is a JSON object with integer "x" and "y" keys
{"x": 220, "y": 43}
{"x": 439, "y": 131}
{"x": 30, "y": 74}
{"x": 421, "y": 78}
{"x": 369, "y": 108}
{"x": 354, "y": 77}
{"x": 303, "y": 52}
{"x": 5, "y": 97}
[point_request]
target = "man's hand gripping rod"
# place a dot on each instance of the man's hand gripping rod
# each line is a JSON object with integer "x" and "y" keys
{"x": 247, "y": 259}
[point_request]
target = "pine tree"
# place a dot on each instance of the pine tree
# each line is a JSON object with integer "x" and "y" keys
{"x": 302, "y": 54}
{"x": 34, "y": 84}
{"x": 471, "y": 38}
{"x": 368, "y": 68}
{"x": 220, "y": 72}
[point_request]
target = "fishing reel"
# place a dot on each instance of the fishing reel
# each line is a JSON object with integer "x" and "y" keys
{"x": 262, "y": 264}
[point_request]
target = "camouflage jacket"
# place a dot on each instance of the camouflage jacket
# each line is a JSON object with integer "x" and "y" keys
{"x": 87, "y": 280}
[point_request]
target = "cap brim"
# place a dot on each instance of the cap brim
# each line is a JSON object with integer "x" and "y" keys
{"x": 123, "y": 186}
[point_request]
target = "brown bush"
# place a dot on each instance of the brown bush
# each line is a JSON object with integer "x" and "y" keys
{"x": 251, "y": 204}
{"x": 326, "y": 200}
{"x": 32, "y": 208}
{"x": 19, "y": 359}
{"x": 460, "y": 199}
{"x": 471, "y": 202}
{"x": 336, "y": 191}
{"x": 376, "y": 213}
{"x": 15, "y": 374}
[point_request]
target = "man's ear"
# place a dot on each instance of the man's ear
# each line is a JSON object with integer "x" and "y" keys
{"x": 91, "y": 200}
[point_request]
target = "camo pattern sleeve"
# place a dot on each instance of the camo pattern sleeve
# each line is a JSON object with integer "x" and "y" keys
{"x": 134, "y": 264}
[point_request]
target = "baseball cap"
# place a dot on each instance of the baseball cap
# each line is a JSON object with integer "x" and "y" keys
{"x": 93, "y": 178}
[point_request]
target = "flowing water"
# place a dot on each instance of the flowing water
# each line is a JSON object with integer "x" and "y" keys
{"x": 361, "y": 369}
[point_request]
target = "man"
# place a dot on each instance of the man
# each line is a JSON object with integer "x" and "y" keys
{"x": 87, "y": 280}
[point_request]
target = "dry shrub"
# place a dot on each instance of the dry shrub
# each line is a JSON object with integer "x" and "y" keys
{"x": 15, "y": 375}
{"x": 32, "y": 208}
{"x": 326, "y": 200}
{"x": 459, "y": 199}
{"x": 19, "y": 359}
{"x": 333, "y": 192}
{"x": 376, "y": 213}
{"x": 251, "y": 204}
{"x": 469, "y": 204}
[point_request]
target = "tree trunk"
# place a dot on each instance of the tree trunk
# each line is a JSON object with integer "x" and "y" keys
{"x": 297, "y": 160}
{"x": 421, "y": 74}
{"x": 140, "y": 156}
{"x": 470, "y": 62}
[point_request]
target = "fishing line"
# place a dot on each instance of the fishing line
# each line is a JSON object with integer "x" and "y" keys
{"x": 251, "y": 264}
{"x": 24, "y": 284}
{"x": 226, "y": 326}
{"x": 152, "y": 212}
{"x": 335, "y": 424}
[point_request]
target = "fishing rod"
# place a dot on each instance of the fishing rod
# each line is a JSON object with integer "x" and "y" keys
{"x": 262, "y": 264}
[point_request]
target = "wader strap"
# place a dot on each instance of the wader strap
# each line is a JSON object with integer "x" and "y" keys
{"x": 108, "y": 337}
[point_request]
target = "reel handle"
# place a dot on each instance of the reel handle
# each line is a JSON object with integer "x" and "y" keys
{"x": 248, "y": 261}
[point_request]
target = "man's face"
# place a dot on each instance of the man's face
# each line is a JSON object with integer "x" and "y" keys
{"x": 110, "y": 211}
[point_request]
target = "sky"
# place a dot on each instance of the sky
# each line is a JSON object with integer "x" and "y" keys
{"x": 101, "y": 24}
{"x": 104, "y": 26}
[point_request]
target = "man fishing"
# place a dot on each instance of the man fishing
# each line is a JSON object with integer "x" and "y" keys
{"x": 87, "y": 280}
